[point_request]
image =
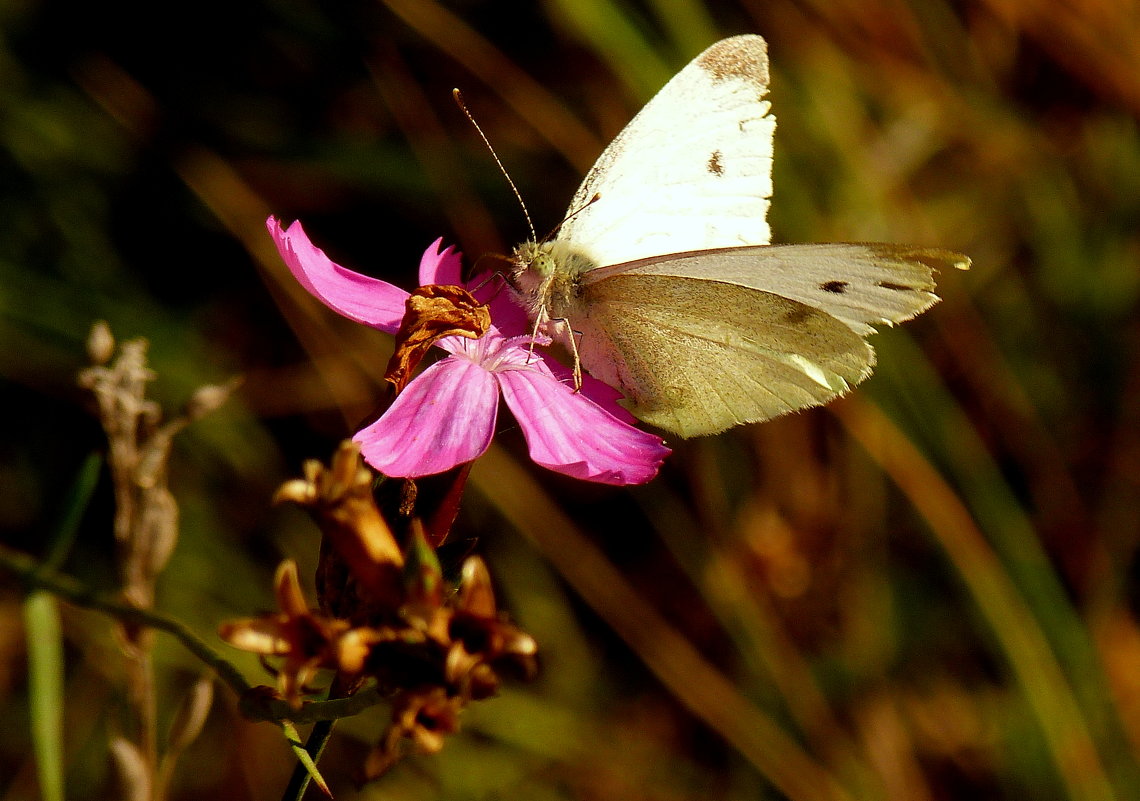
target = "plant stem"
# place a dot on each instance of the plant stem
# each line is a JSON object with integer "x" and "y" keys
{"x": 253, "y": 706}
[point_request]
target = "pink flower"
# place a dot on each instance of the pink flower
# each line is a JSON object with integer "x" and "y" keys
{"x": 446, "y": 416}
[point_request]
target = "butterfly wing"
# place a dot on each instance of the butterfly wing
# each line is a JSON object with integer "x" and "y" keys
{"x": 862, "y": 284}
{"x": 696, "y": 357}
{"x": 693, "y": 170}
{"x": 700, "y": 342}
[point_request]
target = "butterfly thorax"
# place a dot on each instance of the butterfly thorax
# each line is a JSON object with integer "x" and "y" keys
{"x": 547, "y": 278}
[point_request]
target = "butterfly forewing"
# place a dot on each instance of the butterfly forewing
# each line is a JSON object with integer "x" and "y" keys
{"x": 691, "y": 171}
{"x": 696, "y": 357}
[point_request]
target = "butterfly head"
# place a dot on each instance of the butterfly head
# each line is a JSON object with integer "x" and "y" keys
{"x": 546, "y": 277}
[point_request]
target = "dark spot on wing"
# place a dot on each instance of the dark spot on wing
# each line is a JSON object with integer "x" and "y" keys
{"x": 797, "y": 314}
{"x": 741, "y": 57}
{"x": 896, "y": 287}
{"x": 714, "y": 166}
{"x": 837, "y": 287}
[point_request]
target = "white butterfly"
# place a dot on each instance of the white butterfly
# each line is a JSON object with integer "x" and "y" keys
{"x": 664, "y": 270}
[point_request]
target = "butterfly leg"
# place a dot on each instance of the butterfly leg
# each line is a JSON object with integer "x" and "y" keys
{"x": 557, "y": 326}
{"x": 540, "y": 321}
{"x": 571, "y": 339}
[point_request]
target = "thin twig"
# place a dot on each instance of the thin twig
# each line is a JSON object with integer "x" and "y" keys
{"x": 253, "y": 706}
{"x": 79, "y": 594}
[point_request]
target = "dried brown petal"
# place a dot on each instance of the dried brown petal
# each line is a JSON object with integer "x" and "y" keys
{"x": 340, "y": 499}
{"x": 459, "y": 664}
{"x": 297, "y": 490}
{"x": 482, "y": 682}
{"x": 307, "y": 641}
{"x": 287, "y": 588}
{"x": 427, "y": 717}
{"x": 476, "y": 597}
{"x": 354, "y": 647}
{"x": 258, "y": 635}
{"x": 432, "y": 312}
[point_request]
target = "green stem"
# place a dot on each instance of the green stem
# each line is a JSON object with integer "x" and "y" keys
{"x": 79, "y": 594}
{"x": 253, "y": 705}
{"x": 306, "y": 767}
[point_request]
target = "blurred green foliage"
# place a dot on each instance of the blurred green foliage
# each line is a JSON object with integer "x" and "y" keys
{"x": 926, "y": 591}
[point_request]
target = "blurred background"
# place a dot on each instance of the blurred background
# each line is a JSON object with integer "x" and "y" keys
{"x": 925, "y": 591}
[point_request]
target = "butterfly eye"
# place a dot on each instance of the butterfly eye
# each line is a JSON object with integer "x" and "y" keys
{"x": 542, "y": 263}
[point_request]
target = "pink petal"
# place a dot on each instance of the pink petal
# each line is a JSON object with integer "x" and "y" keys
{"x": 444, "y": 418}
{"x": 605, "y": 396}
{"x": 570, "y": 434}
{"x": 358, "y": 297}
{"x": 441, "y": 266}
{"x": 507, "y": 314}
{"x": 599, "y": 392}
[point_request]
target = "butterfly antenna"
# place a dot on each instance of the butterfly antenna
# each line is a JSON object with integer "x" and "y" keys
{"x": 463, "y": 107}
{"x": 597, "y": 196}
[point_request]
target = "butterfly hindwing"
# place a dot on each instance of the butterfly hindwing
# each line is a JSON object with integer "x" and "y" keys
{"x": 696, "y": 357}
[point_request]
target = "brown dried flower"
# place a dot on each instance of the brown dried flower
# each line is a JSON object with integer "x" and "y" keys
{"x": 340, "y": 499}
{"x": 308, "y": 641}
{"x": 391, "y": 621}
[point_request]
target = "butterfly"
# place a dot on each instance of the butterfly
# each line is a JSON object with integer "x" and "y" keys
{"x": 663, "y": 275}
